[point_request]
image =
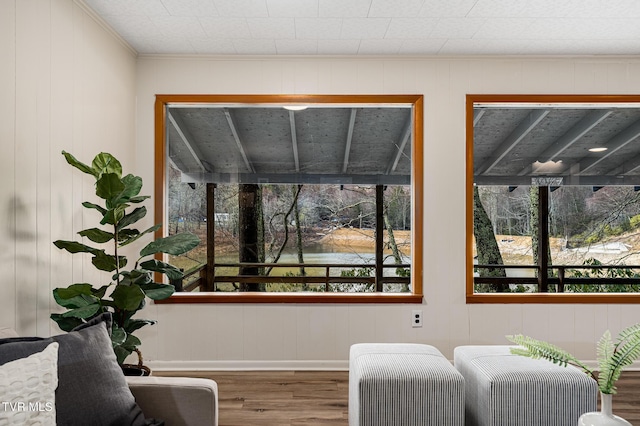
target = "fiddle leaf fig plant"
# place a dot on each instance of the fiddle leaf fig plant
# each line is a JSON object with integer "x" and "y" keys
{"x": 613, "y": 356}
{"x": 128, "y": 289}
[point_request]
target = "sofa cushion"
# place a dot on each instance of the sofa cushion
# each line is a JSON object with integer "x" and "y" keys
{"x": 7, "y": 332}
{"x": 91, "y": 387}
{"x": 28, "y": 386}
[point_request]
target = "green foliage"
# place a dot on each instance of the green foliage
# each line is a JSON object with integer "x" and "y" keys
{"x": 621, "y": 272}
{"x": 357, "y": 272}
{"x": 634, "y": 221}
{"x": 612, "y": 357}
{"x": 127, "y": 292}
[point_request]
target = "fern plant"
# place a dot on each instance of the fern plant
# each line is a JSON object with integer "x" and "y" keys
{"x": 612, "y": 356}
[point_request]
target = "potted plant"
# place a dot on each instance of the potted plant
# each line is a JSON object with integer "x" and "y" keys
{"x": 128, "y": 289}
{"x": 612, "y": 358}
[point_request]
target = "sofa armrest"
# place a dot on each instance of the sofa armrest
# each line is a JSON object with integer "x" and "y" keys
{"x": 179, "y": 401}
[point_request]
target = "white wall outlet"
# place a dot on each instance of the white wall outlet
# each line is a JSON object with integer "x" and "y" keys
{"x": 416, "y": 318}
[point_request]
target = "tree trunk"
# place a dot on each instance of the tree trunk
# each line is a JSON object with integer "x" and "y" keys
{"x": 296, "y": 218}
{"x": 534, "y": 196}
{"x": 486, "y": 245}
{"x": 392, "y": 240}
{"x": 248, "y": 233}
{"x": 394, "y": 249}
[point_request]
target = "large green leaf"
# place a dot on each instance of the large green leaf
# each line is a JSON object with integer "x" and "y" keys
{"x": 109, "y": 186}
{"x": 74, "y": 247}
{"x": 83, "y": 312}
{"x": 73, "y": 302}
{"x": 127, "y": 234}
{"x": 121, "y": 353}
{"x": 135, "y": 276}
{"x": 157, "y": 291}
{"x": 97, "y": 235}
{"x": 105, "y": 163}
{"x": 78, "y": 164}
{"x": 131, "y": 218}
{"x": 127, "y": 297}
{"x": 165, "y": 268}
{"x": 139, "y": 199}
{"x": 99, "y": 292}
{"x": 113, "y": 215}
{"x": 132, "y": 342}
{"x": 66, "y": 324}
{"x": 133, "y": 237}
{"x": 89, "y": 205}
{"x": 174, "y": 244}
{"x": 74, "y": 290}
{"x": 107, "y": 262}
{"x": 132, "y": 186}
{"x": 118, "y": 335}
{"x": 134, "y": 324}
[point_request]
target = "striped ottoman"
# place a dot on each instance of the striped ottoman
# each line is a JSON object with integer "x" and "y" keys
{"x": 403, "y": 385}
{"x": 505, "y": 389}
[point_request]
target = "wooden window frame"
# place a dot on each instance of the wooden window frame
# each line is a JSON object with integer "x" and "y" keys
{"x": 551, "y": 298}
{"x": 417, "y": 182}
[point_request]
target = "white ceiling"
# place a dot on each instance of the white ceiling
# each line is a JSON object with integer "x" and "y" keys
{"x": 375, "y": 27}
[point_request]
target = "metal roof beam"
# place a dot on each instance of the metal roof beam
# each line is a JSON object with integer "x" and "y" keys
{"x": 347, "y": 145}
{"x": 580, "y": 129}
{"x": 293, "y": 178}
{"x": 187, "y": 139}
{"x": 403, "y": 143}
{"x": 294, "y": 140}
{"x": 615, "y": 143}
{"x": 627, "y": 168}
{"x": 511, "y": 141}
{"x": 234, "y": 130}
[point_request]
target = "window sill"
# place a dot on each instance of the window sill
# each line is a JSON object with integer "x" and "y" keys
{"x": 555, "y": 298}
{"x": 249, "y": 297}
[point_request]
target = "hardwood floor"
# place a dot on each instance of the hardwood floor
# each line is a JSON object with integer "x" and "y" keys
{"x": 298, "y": 398}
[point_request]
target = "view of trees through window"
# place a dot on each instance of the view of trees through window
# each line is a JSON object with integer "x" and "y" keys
{"x": 313, "y": 231}
{"x": 588, "y": 228}
{"x": 553, "y": 197}
{"x": 295, "y": 198}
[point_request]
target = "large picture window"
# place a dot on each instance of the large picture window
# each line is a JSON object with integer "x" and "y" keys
{"x": 295, "y": 198}
{"x": 553, "y": 199}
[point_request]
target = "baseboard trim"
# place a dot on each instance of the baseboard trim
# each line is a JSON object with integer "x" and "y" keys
{"x": 289, "y": 365}
{"x": 257, "y": 365}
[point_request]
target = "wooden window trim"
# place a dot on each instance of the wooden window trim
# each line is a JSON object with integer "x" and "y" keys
{"x": 417, "y": 182}
{"x": 521, "y": 298}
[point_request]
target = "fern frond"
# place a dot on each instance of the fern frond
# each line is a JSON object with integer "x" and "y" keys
{"x": 625, "y": 352}
{"x": 628, "y": 332}
{"x": 537, "y": 349}
{"x": 605, "y": 351}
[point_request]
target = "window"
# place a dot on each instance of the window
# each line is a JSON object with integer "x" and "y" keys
{"x": 553, "y": 199}
{"x": 303, "y": 198}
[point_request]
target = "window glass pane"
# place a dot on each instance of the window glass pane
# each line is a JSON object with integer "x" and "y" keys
{"x": 593, "y": 233}
{"x": 313, "y": 231}
{"x": 313, "y": 200}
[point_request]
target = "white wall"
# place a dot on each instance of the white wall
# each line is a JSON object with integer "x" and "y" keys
{"x": 201, "y": 336}
{"x": 65, "y": 84}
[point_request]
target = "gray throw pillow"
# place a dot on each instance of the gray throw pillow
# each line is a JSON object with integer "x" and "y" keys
{"x": 92, "y": 389}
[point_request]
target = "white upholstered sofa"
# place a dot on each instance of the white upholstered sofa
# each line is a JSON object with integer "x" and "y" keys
{"x": 91, "y": 389}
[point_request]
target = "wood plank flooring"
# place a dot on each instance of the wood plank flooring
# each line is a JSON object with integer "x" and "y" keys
{"x": 302, "y": 398}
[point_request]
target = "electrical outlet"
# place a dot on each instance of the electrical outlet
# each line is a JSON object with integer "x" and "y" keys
{"x": 416, "y": 318}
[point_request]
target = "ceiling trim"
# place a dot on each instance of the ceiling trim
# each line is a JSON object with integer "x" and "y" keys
{"x": 103, "y": 24}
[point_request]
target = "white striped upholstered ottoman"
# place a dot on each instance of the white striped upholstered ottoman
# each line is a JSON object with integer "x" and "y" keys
{"x": 505, "y": 389}
{"x": 397, "y": 384}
